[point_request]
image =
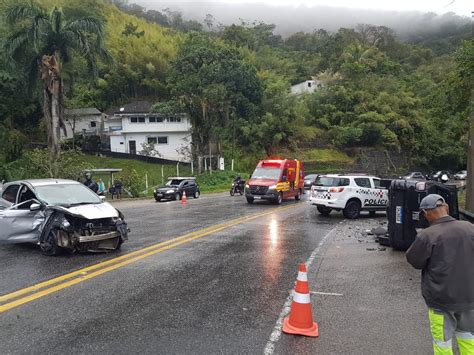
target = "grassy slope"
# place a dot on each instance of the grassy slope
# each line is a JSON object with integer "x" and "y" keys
{"x": 218, "y": 181}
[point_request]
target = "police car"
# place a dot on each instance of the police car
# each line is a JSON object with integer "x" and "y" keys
{"x": 350, "y": 194}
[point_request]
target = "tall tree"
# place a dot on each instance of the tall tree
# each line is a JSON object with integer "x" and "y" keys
{"x": 214, "y": 85}
{"x": 43, "y": 42}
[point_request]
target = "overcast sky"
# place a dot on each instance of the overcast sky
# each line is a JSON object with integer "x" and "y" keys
{"x": 460, "y": 7}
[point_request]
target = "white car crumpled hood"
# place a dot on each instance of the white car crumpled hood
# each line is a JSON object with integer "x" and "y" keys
{"x": 94, "y": 211}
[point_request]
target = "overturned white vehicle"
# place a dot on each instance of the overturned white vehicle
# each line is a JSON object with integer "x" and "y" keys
{"x": 59, "y": 215}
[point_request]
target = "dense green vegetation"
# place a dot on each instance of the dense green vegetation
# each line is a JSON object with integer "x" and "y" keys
{"x": 233, "y": 82}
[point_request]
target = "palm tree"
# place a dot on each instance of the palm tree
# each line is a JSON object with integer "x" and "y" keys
{"x": 43, "y": 42}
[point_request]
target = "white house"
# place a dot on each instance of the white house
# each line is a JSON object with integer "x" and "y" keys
{"x": 307, "y": 86}
{"x": 87, "y": 120}
{"x": 131, "y": 126}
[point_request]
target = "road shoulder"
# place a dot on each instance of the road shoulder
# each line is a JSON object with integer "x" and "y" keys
{"x": 373, "y": 303}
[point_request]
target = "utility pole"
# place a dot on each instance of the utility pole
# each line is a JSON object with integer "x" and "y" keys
{"x": 470, "y": 150}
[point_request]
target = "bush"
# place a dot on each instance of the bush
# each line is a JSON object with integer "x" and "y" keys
{"x": 69, "y": 165}
{"x": 131, "y": 181}
{"x": 346, "y": 136}
{"x": 14, "y": 142}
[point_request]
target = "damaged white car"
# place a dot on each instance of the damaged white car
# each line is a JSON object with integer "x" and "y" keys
{"x": 59, "y": 215}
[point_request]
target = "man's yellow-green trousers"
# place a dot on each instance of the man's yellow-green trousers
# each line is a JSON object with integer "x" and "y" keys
{"x": 445, "y": 325}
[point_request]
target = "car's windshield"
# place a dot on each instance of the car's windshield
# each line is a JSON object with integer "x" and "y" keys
{"x": 266, "y": 173}
{"x": 173, "y": 182}
{"x": 331, "y": 181}
{"x": 66, "y": 194}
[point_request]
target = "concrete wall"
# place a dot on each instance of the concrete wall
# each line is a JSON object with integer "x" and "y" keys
{"x": 176, "y": 140}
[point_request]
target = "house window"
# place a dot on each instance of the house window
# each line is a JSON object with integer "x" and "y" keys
{"x": 152, "y": 140}
{"x": 162, "y": 140}
{"x": 174, "y": 119}
{"x": 93, "y": 124}
{"x": 137, "y": 119}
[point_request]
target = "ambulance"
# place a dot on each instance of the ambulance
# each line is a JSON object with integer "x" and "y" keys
{"x": 275, "y": 180}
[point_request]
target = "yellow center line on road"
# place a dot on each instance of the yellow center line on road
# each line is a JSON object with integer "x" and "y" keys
{"x": 40, "y": 290}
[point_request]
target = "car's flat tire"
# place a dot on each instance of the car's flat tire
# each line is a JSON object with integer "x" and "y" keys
{"x": 49, "y": 246}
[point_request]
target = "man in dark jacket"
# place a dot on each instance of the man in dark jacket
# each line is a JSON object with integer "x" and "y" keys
{"x": 445, "y": 254}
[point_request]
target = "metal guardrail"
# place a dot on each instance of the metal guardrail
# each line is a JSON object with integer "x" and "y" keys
{"x": 466, "y": 215}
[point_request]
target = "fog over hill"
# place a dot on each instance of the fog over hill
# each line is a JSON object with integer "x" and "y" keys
{"x": 291, "y": 19}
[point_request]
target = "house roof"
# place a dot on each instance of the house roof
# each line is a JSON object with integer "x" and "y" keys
{"x": 86, "y": 111}
{"x": 132, "y": 107}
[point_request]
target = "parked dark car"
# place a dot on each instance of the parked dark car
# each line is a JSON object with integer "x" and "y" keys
{"x": 310, "y": 180}
{"x": 414, "y": 175}
{"x": 174, "y": 188}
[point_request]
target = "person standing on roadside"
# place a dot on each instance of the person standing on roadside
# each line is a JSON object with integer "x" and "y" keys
{"x": 445, "y": 253}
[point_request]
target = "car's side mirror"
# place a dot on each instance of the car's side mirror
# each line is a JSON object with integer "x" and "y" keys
{"x": 102, "y": 198}
{"x": 35, "y": 207}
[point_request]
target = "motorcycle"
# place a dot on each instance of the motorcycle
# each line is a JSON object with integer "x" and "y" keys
{"x": 237, "y": 187}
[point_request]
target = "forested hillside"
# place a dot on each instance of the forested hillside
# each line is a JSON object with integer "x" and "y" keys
{"x": 234, "y": 83}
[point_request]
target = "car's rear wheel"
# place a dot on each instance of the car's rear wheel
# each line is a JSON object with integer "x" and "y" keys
{"x": 298, "y": 195}
{"x": 197, "y": 194}
{"x": 352, "y": 210}
{"x": 250, "y": 200}
{"x": 49, "y": 246}
{"x": 177, "y": 196}
{"x": 325, "y": 211}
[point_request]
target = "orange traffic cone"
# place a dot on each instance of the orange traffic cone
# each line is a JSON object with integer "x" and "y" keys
{"x": 184, "y": 199}
{"x": 300, "y": 320}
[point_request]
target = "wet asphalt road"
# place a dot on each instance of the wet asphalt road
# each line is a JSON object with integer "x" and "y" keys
{"x": 218, "y": 294}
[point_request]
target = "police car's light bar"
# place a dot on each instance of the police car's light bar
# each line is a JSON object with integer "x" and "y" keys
{"x": 336, "y": 189}
{"x": 420, "y": 186}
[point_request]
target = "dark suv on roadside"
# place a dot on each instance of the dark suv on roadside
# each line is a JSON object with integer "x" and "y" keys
{"x": 175, "y": 187}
